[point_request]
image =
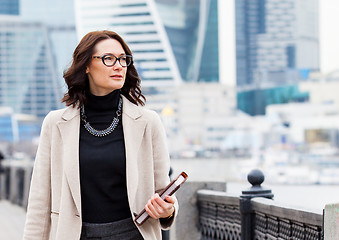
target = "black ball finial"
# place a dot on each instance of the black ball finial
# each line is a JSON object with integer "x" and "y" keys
{"x": 256, "y": 177}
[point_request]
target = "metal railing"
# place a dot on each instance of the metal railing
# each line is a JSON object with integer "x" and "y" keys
{"x": 219, "y": 215}
{"x": 254, "y": 215}
{"x": 15, "y": 181}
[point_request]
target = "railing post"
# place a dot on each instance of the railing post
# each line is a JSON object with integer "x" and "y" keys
{"x": 2, "y": 184}
{"x": 256, "y": 178}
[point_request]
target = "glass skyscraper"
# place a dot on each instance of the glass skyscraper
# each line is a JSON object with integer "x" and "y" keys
{"x": 35, "y": 48}
{"x": 277, "y": 42}
{"x": 28, "y": 83}
{"x": 171, "y": 40}
{"x": 139, "y": 23}
{"x": 59, "y": 20}
{"x": 192, "y": 28}
{"x": 209, "y": 62}
{"x": 9, "y": 7}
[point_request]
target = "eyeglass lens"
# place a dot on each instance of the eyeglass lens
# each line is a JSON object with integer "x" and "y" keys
{"x": 110, "y": 60}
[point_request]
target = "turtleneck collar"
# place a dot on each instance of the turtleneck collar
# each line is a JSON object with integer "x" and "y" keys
{"x": 103, "y": 103}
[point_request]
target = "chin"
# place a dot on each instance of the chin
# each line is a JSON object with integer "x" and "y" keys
{"x": 119, "y": 85}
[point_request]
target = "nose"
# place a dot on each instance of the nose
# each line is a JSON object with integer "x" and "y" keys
{"x": 117, "y": 65}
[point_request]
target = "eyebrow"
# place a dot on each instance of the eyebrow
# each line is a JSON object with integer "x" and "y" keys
{"x": 121, "y": 54}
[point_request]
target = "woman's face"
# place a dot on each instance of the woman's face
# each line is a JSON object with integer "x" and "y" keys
{"x": 103, "y": 79}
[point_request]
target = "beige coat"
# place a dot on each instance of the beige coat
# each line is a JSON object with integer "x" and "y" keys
{"x": 54, "y": 208}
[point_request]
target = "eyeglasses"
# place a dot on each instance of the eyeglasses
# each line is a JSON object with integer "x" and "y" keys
{"x": 109, "y": 60}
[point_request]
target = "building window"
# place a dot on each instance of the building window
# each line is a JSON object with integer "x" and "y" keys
{"x": 290, "y": 51}
{"x": 262, "y": 16}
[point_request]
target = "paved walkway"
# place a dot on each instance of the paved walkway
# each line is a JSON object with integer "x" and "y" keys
{"x": 12, "y": 220}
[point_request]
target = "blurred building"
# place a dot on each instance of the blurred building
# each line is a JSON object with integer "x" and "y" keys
{"x": 255, "y": 101}
{"x": 277, "y": 43}
{"x": 35, "y": 47}
{"x": 58, "y": 17}
{"x": 17, "y": 127}
{"x": 28, "y": 82}
{"x": 7, "y": 132}
{"x": 196, "y": 116}
{"x": 192, "y": 29}
{"x": 315, "y": 126}
{"x": 139, "y": 23}
{"x": 17, "y": 132}
{"x": 322, "y": 88}
{"x": 171, "y": 40}
{"x": 9, "y": 7}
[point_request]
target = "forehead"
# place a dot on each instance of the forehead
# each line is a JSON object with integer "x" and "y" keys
{"x": 109, "y": 46}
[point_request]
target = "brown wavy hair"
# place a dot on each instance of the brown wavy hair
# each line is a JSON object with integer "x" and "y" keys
{"x": 77, "y": 80}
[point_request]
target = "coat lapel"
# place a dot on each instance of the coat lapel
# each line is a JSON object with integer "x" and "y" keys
{"x": 69, "y": 129}
{"x": 134, "y": 128}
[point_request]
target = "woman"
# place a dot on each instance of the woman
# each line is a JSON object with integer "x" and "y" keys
{"x": 101, "y": 159}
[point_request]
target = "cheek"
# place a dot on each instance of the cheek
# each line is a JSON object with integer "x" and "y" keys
{"x": 125, "y": 74}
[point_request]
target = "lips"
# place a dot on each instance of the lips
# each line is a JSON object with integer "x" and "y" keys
{"x": 116, "y": 76}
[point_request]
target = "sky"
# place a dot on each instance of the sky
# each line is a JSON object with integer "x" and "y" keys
{"x": 329, "y": 35}
{"x": 226, "y": 18}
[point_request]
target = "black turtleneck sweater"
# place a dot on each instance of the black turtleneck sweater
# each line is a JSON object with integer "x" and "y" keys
{"x": 103, "y": 163}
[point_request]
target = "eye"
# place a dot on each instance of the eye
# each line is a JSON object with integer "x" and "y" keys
{"x": 108, "y": 58}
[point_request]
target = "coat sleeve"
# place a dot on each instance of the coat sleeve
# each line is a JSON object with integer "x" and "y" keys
{"x": 38, "y": 223}
{"x": 161, "y": 164}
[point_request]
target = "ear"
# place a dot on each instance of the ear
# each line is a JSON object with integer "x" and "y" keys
{"x": 87, "y": 70}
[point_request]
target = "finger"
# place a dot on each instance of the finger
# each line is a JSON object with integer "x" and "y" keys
{"x": 157, "y": 207}
{"x": 151, "y": 210}
{"x": 162, "y": 205}
{"x": 170, "y": 199}
{"x": 166, "y": 203}
{"x": 166, "y": 208}
{"x": 158, "y": 202}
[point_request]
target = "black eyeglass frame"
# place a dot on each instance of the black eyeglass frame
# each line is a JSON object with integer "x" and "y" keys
{"x": 116, "y": 59}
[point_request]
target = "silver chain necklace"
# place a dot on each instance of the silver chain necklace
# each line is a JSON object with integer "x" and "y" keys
{"x": 105, "y": 132}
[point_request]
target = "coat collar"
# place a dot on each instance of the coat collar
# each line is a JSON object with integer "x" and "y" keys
{"x": 130, "y": 109}
{"x": 71, "y": 112}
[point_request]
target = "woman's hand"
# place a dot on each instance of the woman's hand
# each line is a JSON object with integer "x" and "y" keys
{"x": 158, "y": 208}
